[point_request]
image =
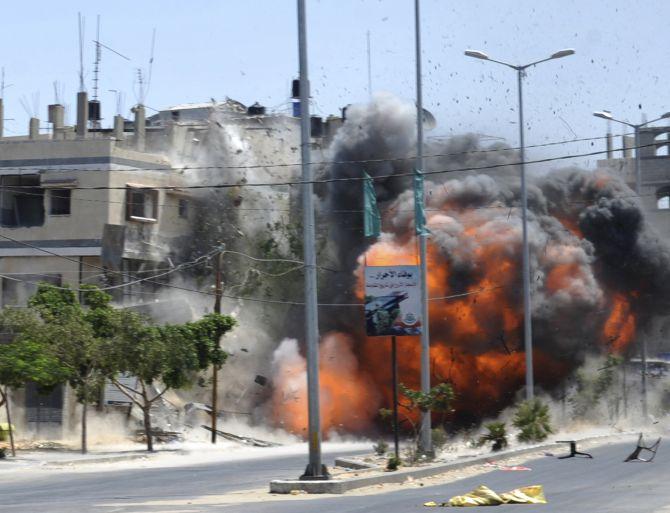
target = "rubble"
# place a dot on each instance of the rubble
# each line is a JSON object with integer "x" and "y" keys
{"x": 247, "y": 440}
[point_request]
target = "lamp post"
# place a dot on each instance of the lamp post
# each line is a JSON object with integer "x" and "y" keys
{"x": 315, "y": 469}
{"x": 527, "y": 324}
{"x": 604, "y": 114}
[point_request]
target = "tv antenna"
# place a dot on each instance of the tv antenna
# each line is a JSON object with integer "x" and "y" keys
{"x": 58, "y": 92}
{"x": 140, "y": 85}
{"x": 96, "y": 64}
{"x": 82, "y": 29}
{"x": 3, "y": 86}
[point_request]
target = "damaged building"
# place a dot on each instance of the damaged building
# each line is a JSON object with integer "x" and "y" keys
{"x": 654, "y": 173}
{"x": 106, "y": 206}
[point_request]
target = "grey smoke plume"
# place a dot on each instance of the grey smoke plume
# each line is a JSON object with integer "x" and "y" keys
{"x": 599, "y": 273}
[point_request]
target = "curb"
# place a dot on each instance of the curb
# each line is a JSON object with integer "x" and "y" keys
{"x": 355, "y": 464}
{"x": 102, "y": 459}
{"x": 339, "y": 486}
{"x": 121, "y": 457}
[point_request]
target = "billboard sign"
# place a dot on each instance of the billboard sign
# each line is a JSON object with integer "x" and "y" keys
{"x": 392, "y": 301}
{"x": 113, "y": 396}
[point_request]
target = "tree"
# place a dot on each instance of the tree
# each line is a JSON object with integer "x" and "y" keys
{"x": 437, "y": 400}
{"x": 496, "y": 435}
{"x": 533, "y": 421}
{"x": 24, "y": 358}
{"x": 75, "y": 336}
{"x": 166, "y": 357}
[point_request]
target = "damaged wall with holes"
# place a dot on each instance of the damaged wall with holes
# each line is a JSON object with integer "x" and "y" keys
{"x": 654, "y": 173}
{"x": 82, "y": 203}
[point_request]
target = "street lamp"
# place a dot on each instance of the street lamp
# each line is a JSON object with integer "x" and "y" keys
{"x": 605, "y": 114}
{"x": 528, "y": 334}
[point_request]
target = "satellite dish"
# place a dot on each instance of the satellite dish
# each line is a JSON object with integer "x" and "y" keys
{"x": 429, "y": 121}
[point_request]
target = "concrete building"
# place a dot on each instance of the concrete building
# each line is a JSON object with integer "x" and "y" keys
{"x": 79, "y": 205}
{"x": 84, "y": 204}
{"x": 654, "y": 170}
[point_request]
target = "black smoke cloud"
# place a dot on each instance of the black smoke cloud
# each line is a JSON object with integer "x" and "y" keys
{"x": 587, "y": 222}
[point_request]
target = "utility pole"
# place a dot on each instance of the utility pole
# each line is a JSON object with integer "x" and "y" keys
{"x": 605, "y": 114}
{"x": 425, "y": 436}
{"x": 525, "y": 249}
{"x": 218, "y": 292}
{"x": 315, "y": 469}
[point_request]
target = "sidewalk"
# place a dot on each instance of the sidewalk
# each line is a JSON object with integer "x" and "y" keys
{"x": 343, "y": 482}
{"x": 31, "y": 458}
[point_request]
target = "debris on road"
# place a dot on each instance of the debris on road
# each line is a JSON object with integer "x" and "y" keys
{"x": 635, "y": 455}
{"x": 506, "y": 467}
{"x": 159, "y": 436}
{"x": 484, "y": 496}
{"x": 42, "y": 445}
{"x": 573, "y": 450}
{"x": 256, "y": 442}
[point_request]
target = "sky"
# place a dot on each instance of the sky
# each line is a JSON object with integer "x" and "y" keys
{"x": 247, "y": 50}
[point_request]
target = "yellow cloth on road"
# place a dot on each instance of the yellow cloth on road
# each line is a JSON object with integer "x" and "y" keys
{"x": 480, "y": 496}
{"x": 526, "y": 495}
{"x": 484, "y": 496}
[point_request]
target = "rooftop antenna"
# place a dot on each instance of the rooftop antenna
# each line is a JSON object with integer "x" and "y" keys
{"x": 140, "y": 82}
{"x": 98, "y": 52}
{"x": 59, "y": 90}
{"x": 82, "y": 27}
{"x": 151, "y": 63}
{"x": 30, "y": 106}
{"x": 3, "y": 86}
{"x": 36, "y": 103}
{"x": 96, "y": 65}
{"x": 369, "y": 69}
{"x": 119, "y": 101}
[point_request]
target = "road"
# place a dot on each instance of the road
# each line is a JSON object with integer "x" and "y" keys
{"x": 61, "y": 491}
{"x": 571, "y": 485}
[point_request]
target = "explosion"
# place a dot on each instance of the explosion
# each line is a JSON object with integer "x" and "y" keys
{"x": 598, "y": 277}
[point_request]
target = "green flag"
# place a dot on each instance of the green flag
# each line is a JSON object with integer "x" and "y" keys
{"x": 371, "y": 218}
{"x": 419, "y": 214}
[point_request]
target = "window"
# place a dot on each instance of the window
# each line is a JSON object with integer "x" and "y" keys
{"x": 183, "y": 208}
{"x": 21, "y": 201}
{"x": 663, "y": 198}
{"x": 60, "y": 202}
{"x": 662, "y": 142}
{"x": 141, "y": 204}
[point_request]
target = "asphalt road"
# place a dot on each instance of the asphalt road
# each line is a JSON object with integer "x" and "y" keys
{"x": 60, "y": 491}
{"x": 575, "y": 485}
{"x": 604, "y": 484}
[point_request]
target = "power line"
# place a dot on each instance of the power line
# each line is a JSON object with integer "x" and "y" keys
{"x": 334, "y": 180}
{"x": 340, "y": 162}
{"x": 149, "y": 280}
{"x": 292, "y": 303}
{"x": 298, "y": 209}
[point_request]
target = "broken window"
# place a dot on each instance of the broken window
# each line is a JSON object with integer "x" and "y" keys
{"x": 141, "y": 204}
{"x": 21, "y": 201}
{"x": 60, "y": 202}
{"x": 663, "y": 198}
{"x": 662, "y": 141}
{"x": 183, "y": 208}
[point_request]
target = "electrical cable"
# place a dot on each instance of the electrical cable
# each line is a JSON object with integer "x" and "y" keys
{"x": 335, "y": 180}
{"x": 344, "y": 162}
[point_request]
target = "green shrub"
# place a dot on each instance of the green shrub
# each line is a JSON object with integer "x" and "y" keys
{"x": 380, "y": 447}
{"x": 533, "y": 421}
{"x": 497, "y": 436}
{"x": 439, "y": 437}
{"x": 393, "y": 463}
